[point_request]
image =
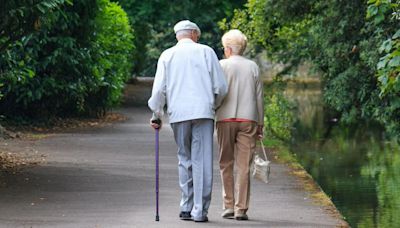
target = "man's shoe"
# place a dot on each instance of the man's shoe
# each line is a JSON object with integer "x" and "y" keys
{"x": 185, "y": 215}
{"x": 204, "y": 219}
{"x": 241, "y": 217}
{"x": 228, "y": 213}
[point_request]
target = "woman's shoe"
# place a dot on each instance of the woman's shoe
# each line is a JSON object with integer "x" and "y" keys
{"x": 241, "y": 217}
{"x": 228, "y": 213}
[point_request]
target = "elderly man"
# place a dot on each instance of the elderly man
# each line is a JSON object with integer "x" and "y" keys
{"x": 240, "y": 121}
{"x": 190, "y": 80}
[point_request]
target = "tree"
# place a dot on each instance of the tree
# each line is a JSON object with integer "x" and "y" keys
{"x": 153, "y": 22}
{"x": 340, "y": 40}
{"x": 385, "y": 15}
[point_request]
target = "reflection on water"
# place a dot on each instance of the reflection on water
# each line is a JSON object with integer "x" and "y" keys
{"x": 352, "y": 164}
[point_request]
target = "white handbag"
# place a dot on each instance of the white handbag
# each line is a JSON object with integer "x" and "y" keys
{"x": 261, "y": 167}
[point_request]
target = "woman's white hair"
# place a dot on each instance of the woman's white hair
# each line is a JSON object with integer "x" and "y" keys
{"x": 235, "y": 40}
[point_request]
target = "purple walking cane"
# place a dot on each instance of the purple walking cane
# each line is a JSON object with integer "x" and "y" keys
{"x": 157, "y": 172}
{"x": 157, "y": 121}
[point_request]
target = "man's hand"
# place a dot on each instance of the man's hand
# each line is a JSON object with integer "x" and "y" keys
{"x": 260, "y": 131}
{"x": 155, "y": 123}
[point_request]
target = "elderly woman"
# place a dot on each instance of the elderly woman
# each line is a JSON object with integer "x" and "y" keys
{"x": 239, "y": 122}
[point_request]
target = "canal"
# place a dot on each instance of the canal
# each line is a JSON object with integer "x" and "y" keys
{"x": 354, "y": 165}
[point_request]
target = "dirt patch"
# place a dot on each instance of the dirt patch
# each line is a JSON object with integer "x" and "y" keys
{"x": 14, "y": 162}
{"x": 15, "y": 156}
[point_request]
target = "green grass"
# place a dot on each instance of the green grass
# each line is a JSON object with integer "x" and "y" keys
{"x": 282, "y": 153}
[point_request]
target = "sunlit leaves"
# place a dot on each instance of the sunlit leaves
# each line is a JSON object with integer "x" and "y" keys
{"x": 389, "y": 64}
{"x": 113, "y": 44}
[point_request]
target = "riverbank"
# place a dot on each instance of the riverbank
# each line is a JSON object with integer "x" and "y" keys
{"x": 280, "y": 153}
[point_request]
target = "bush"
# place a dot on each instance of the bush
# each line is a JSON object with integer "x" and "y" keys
{"x": 48, "y": 71}
{"x": 65, "y": 67}
{"x": 114, "y": 44}
{"x": 279, "y": 117}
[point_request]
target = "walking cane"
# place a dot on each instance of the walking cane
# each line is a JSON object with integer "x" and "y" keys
{"x": 157, "y": 121}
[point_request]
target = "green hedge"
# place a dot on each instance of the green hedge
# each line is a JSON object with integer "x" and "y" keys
{"x": 113, "y": 45}
{"x": 67, "y": 65}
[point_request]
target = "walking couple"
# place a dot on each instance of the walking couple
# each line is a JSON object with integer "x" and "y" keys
{"x": 197, "y": 88}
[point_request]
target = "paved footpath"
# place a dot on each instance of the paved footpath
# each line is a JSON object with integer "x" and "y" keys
{"x": 104, "y": 177}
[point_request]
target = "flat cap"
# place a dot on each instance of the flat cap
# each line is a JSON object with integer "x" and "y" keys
{"x": 186, "y": 25}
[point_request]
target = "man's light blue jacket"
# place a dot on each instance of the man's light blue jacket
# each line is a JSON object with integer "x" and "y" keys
{"x": 190, "y": 81}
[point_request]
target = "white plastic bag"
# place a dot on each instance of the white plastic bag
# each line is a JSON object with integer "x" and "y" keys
{"x": 261, "y": 167}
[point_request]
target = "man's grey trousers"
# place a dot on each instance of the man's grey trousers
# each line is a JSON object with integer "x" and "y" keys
{"x": 195, "y": 155}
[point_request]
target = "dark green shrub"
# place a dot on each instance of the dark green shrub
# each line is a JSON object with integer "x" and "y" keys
{"x": 57, "y": 63}
{"x": 64, "y": 68}
{"x": 19, "y": 20}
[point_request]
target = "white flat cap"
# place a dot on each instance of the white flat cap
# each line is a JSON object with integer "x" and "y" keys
{"x": 186, "y": 25}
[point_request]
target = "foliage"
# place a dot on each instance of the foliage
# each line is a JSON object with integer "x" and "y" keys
{"x": 20, "y": 18}
{"x": 340, "y": 38}
{"x": 60, "y": 68}
{"x": 278, "y": 113}
{"x": 153, "y": 23}
{"x": 58, "y": 62}
{"x": 281, "y": 152}
{"x": 385, "y": 15}
{"x": 113, "y": 44}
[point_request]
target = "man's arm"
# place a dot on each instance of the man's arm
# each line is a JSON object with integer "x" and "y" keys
{"x": 158, "y": 95}
{"x": 220, "y": 86}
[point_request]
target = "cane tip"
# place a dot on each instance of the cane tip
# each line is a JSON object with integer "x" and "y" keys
{"x": 157, "y": 218}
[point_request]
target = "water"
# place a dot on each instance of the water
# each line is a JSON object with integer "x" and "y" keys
{"x": 352, "y": 164}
